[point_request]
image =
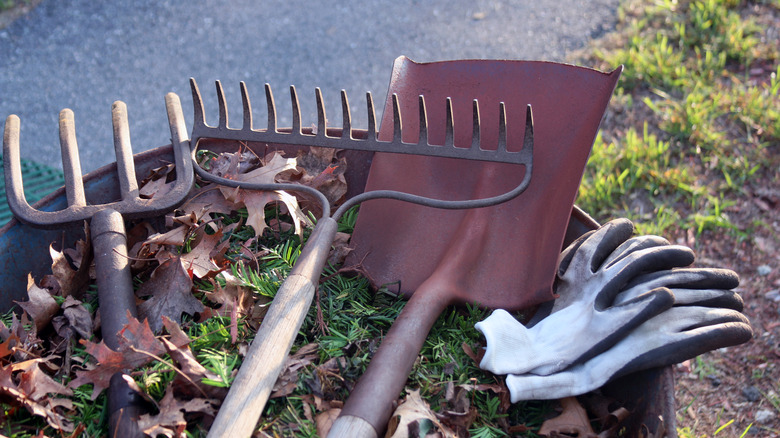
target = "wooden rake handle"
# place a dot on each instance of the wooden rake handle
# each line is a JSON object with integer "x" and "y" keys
{"x": 264, "y": 362}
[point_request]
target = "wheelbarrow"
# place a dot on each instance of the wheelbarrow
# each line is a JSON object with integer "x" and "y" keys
{"x": 648, "y": 394}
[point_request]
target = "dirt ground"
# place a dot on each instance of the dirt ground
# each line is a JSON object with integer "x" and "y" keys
{"x": 741, "y": 383}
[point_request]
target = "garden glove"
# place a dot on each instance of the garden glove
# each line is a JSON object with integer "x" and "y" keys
{"x": 592, "y": 271}
{"x": 678, "y": 334}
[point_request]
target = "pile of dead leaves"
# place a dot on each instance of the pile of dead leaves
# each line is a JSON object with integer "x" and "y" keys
{"x": 42, "y": 358}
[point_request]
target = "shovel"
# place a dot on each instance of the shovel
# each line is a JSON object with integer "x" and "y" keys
{"x": 503, "y": 256}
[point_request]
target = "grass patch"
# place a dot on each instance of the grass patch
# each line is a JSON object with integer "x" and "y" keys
{"x": 696, "y": 114}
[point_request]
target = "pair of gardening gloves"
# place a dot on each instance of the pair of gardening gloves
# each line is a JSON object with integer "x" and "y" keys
{"x": 624, "y": 304}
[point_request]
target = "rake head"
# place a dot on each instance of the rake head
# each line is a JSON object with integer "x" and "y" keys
{"x": 348, "y": 139}
{"x": 131, "y": 205}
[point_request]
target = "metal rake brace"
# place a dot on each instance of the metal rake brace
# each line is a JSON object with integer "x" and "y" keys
{"x": 264, "y": 361}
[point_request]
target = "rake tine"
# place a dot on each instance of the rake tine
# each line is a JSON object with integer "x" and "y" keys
{"x": 128, "y": 185}
{"x": 222, "y": 104}
{"x": 423, "y": 140}
{"x": 269, "y": 101}
{"x": 475, "y": 133}
{"x": 296, "y": 111}
{"x": 501, "y": 127}
{"x": 449, "y": 135}
{"x": 397, "y": 128}
{"x": 71, "y": 166}
{"x": 528, "y": 138}
{"x": 322, "y": 120}
{"x": 247, "y": 106}
{"x": 372, "y": 132}
{"x": 346, "y": 117}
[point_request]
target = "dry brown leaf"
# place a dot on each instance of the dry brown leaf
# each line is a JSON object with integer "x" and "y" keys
{"x": 75, "y": 318}
{"x": 40, "y": 305}
{"x": 200, "y": 260}
{"x": 32, "y": 393}
{"x": 324, "y": 420}
{"x": 174, "y": 237}
{"x": 414, "y": 418}
{"x": 70, "y": 281}
{"x": 189, "y": 382}
{"x": 170, "y": 287}
{"x": 137, "y": 347}
{"x": 573, "y": 421}
{"x": 339, "y": 249}
{"x": 170, "y": 420}
{"x": 288, "y": 380}
{"x": 255, "y": 201}
{"x": 232, "y": 296}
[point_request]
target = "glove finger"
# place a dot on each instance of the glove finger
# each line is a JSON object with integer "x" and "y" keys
{"x": 571, "y": 382}
{"x": 710, "y": 330}
{"x": 592, "y": 251}
{"x": 688, "y": 278}
{"x": 641, "y": 262}
{"x": 508, "y": 344}
{"x": 727, "y": 299}
{"x": 635, "y": 244}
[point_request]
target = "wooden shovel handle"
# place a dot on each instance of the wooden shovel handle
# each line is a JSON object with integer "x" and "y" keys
{"x": 371, "y": 403}
{"x": 262, "y": 365}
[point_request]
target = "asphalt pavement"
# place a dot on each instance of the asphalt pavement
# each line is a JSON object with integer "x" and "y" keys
{"x": 85, "y": 54}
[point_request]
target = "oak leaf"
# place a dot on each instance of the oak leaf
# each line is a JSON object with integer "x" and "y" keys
{"x": 189, "y": 381}
{"x": 414, "y": 418}
{"x": 137, "y": 347}
{"x": 170, "y": 420}
{"x": 31, "y": 389}
{"x": 170, "y": 287}
{"x": 75, "y": 318}
{"x": 40, "y": 305}
{"x": 70, "y": 281}
{"x": 573, "y": 421}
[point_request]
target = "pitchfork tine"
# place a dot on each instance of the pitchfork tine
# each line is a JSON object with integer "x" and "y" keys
{"x": 12, "y": 162}
{"x": 125, "y": 165}
{"x": 71, "y": 166}
{"x": 197, "y": 104}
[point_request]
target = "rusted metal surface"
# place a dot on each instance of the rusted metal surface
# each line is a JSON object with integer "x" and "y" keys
{"x": 498, "y": 257}
{"x": 115, "y": 288}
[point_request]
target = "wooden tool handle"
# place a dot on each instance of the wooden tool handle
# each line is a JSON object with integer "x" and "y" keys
{"x": 370, "y": 404}
{"x": 262, "y": 365}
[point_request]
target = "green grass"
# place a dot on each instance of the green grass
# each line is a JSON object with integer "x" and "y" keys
{"x": 692, "y": 127}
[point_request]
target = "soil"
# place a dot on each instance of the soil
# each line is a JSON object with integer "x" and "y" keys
{"x": 741, "y": 383}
